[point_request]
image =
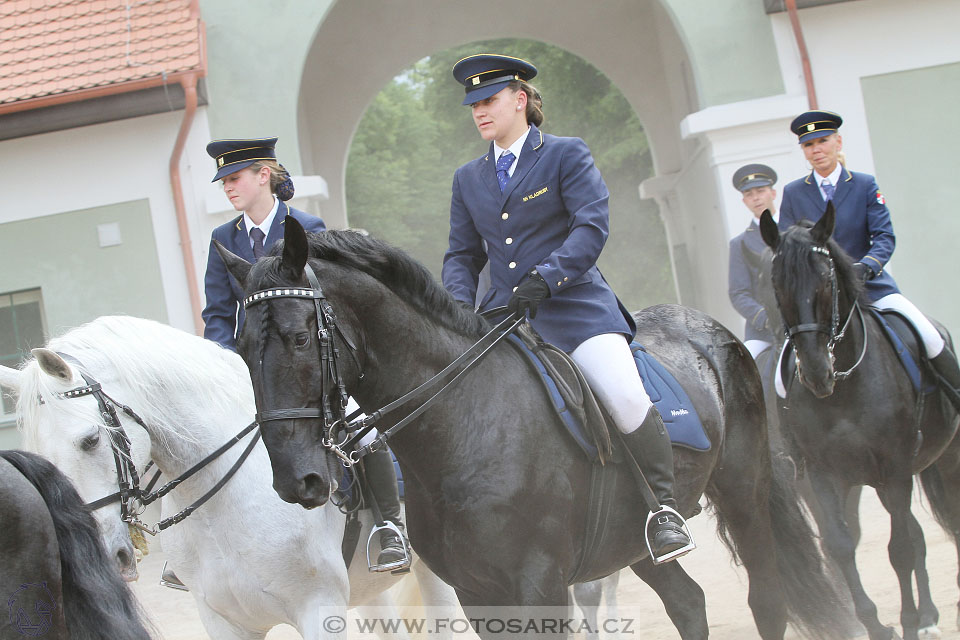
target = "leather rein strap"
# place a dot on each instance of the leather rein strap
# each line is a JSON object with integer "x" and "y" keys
{"x": 834, "y": 330}
{"x": 130, "y": 493}
{"x": 328, "y": 329}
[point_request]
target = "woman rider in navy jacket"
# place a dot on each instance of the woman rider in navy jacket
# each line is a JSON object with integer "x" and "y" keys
{"x": 536, "y": 208}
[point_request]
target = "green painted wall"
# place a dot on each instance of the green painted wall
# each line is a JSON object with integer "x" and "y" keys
{"x": 255, "y": 57}
{"x": 917, "y": 168}
{"x": 79, "y": 280}
{"x": 731, "y": 48}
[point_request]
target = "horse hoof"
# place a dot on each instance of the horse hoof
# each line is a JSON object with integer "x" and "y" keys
{"x": 929, "y": 633}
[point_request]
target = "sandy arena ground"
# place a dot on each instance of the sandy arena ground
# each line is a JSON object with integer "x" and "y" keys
{"x": 175, "y": 615}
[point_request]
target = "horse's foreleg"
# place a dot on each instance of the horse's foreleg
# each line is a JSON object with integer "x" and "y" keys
{"x": 929, "y": 615}
{"x": 587, "y": 596}
{"x": 842, "y": 548}
{"x": 682, "y": 597}
{"x": 438, "y": 598}
{"x": 907, "y": 552}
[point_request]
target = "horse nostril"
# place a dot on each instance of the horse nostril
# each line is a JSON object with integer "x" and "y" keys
{"x": 125, "y": 558}
{"x": 315, "y": 488}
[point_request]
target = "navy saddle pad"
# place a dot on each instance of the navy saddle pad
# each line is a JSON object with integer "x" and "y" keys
{"x": 680, "y": 417}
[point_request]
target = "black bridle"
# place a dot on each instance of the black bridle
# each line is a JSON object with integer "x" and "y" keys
{"x": 342, "y": 433}
{"x": 834, "y": 331}
{"x": 134, "y": 499}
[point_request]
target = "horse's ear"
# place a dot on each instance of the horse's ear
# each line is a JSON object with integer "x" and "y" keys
{"x": 822, "y": 231}
{"x": 10, "y": 377}
{"x": 294, "y": 255}
{"x": 237, "y": 266}
{"x": 52, "y": 364}
{"x": 768, "y": 230}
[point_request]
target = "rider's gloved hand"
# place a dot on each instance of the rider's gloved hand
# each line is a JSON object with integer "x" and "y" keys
{"x": 528, "y": 295}
{"x": 863, "y": 272}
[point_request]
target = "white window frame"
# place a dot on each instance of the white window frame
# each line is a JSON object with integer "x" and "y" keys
{"x": 13, "y": 299}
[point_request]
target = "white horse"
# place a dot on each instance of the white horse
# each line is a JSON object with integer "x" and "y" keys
{"x": 250, "y": 560}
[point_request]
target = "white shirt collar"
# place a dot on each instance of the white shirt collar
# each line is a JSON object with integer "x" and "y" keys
{"x": 834, "y": 177}
{"x": 267, "y": 222}
{"x": 515, "y": 149}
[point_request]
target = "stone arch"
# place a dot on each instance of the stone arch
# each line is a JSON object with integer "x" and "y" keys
{"x": 648, "y": 49}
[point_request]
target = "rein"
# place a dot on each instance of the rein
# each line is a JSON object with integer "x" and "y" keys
{"x": 834, "y": 330}
{"x": 133, "y": 499}
{"x": 329, "y": 362}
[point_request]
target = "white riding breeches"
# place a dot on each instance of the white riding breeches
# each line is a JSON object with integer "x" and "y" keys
{"x": 609, "y": 367}
{"x": 932, "y": 341}
{"x": 756, "y": 347}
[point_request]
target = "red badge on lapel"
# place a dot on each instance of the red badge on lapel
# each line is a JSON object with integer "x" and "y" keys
{"x": 880, "y": 198}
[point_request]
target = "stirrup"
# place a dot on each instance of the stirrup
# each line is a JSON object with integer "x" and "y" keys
{"x": 652, "y": 518}
{"x": 169, "y": 579}
{"x": 396, "y": 567}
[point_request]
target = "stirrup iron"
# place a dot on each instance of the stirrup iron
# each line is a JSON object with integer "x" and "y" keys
{"x": 396, "y": 567}
{"x": 653, "y": 519}
{"x": 169, "y": 579}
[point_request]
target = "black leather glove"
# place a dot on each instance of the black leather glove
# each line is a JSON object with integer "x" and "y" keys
{"x": 863, "y": 272}
{"x": 528, "y": 295}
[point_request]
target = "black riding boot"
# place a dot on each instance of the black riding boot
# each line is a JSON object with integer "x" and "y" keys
{"x": 382, "y": 483}
{"x": 946, "y": 365}
{"x": 650, "y": 447}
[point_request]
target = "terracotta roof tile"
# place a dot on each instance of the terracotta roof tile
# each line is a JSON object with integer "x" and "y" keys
{"x": 48, "y": 47}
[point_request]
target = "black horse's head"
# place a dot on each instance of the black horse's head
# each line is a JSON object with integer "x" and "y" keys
{"x": 815, "y": 288}
{"x": 280, "y": 342}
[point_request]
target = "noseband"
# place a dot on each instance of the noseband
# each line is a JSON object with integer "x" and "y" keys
{"x": 342, "y": 433}
{"x": 834, "y": 331}
{"x": 332, "y": 413}
{"x": 134, "y": 499}
{"x": 128, "y": 480}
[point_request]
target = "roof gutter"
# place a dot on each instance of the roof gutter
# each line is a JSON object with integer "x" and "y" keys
{"x": 189, "y": 83}
{"x": 804, "y": 56}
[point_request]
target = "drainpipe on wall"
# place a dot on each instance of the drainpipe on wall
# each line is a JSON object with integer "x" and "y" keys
{"x": 189, "y": 83}
{"x": 804, "y": 57}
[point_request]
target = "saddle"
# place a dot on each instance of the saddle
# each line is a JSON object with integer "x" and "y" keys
{"x": 585, "y": 419}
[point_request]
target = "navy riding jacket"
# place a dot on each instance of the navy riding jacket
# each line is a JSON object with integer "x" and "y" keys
{"x": 553, "y": 216}
{"x": 863, "y": 228}
{"x": 223, "y": 315}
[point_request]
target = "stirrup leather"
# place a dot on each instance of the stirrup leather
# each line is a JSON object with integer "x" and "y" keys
{"x": 653, "y": 519}
{"x": 398, "y": 566}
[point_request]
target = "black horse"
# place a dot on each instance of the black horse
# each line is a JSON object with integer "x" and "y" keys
{"x": 766, "y": 364}
{"x": 851, "y": 414}
{"x": 55, "y": 576}
{"x": 497, "y": 495}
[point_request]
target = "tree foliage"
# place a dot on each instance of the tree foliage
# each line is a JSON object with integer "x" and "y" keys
{"x": 415, "y": 134}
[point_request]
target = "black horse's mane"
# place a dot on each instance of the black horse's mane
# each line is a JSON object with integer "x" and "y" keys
{"x": 97, "y": 602}
{"x": 798, "y": 261}
{"x": 396, "y": 270}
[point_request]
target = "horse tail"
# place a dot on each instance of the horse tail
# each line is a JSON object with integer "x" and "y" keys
{"x": 931, "y": 479}
{"x": 816, "y": 600}
{"x": 97, "y": 603}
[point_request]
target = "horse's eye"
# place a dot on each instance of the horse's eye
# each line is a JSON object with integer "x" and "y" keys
{"x": 302, "y": 339}
{"x": 90, "y": 442}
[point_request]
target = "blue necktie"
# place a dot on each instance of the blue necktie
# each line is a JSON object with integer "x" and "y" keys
{"x": 828, "y": 189}
{"x": 258, "y": 237}
{"x": 503, "y": 169}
